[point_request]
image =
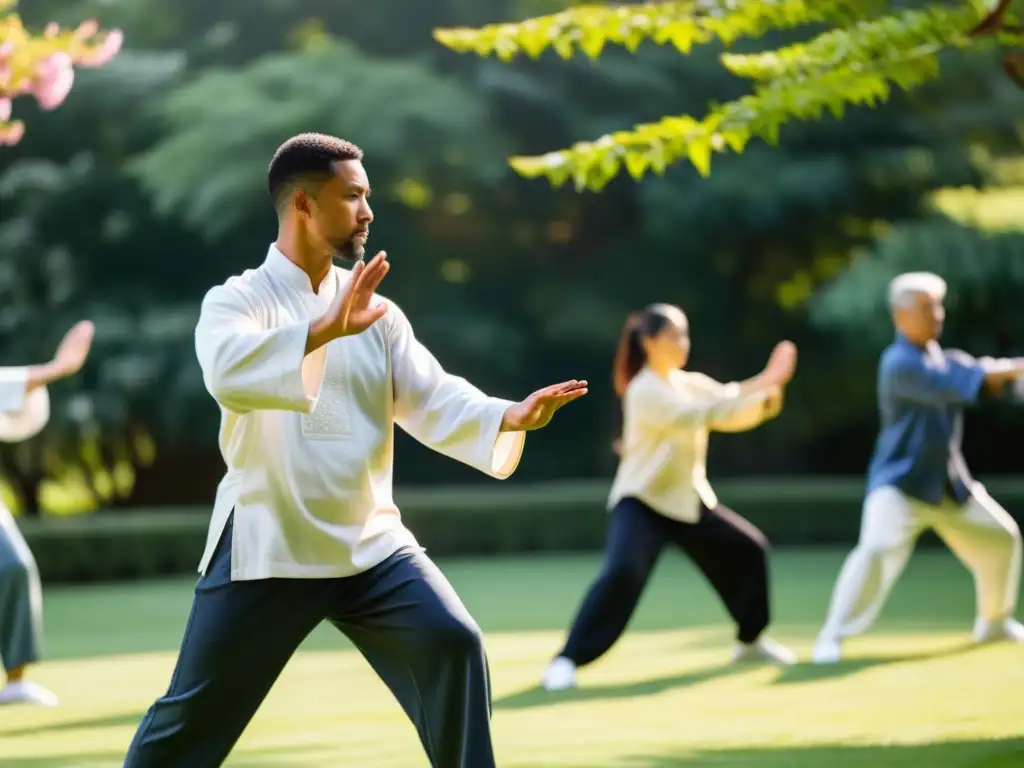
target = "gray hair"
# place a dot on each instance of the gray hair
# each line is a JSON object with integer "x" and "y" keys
{"x": 904, "y": 289}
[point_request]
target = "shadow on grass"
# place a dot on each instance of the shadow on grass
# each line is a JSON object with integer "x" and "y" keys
{"x": 797, "y": 673}
{"x": 538, "y": 697}
{"x": 291, "y": 756}
{"x": 108, "y": 721}
{"x": 994, "y": 753}
{"x": 805, "y": 672}
{"x": 74, "y": 759}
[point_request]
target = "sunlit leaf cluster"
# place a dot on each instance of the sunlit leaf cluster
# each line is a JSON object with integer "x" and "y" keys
{"x": 860, "y": 60}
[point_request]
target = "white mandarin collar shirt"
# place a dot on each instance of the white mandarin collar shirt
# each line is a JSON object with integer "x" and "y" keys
{"x": 22, "y": 414}
{"x": 309, "y": 439}
{"x": 664, "y": 444}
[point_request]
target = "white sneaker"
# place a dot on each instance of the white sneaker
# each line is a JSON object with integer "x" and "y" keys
{"x": 764, "y": 649}
{"x": 990, "y": 631}
{"x": 27, "y": 692}
{"x": 827, "y": 651}
{"x": 560, "y": 675}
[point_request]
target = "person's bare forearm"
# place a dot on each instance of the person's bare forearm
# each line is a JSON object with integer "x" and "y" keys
{"x": 755, "y": 384}
{"x": 42, "y": 375}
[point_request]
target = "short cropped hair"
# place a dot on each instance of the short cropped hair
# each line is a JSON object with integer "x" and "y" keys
{"x": 306, "y": 158}
{"x": 905, "y": 288}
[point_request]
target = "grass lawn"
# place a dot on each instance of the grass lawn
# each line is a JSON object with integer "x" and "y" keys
{"x": 911, "y": 693}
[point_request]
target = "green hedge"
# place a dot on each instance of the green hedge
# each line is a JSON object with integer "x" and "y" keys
{"x": 491, "y": 519}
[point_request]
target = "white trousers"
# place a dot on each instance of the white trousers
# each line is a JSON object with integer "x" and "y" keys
{"x": 981, "y": 534}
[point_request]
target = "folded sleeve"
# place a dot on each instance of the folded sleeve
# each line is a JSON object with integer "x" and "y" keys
{"x": 23, "y": 414}
{"x": 675, "y": 409}
{"x": 958, "y": 382}
{"x": 248, "y": 367}
{"x": 444, "y": 412}
{"x": 748, "y": 415}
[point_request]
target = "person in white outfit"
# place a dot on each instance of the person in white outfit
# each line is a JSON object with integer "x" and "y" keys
{"x": 918, "y": 479}
{"x": 312, "y": 371}
{"x": 661, "y": 493}
{"x": 24, "y": 411}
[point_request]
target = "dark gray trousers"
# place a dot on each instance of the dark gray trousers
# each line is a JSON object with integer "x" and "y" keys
{"x": 21, "y": 598}
{"x": 402, "y": 615}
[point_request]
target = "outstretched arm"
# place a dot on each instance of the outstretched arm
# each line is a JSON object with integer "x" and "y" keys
{"x": 453, "y": 417}
{"x": 759, "y": 407}
{"x": 959, "y": 382}
{"x": 24, "y": 398}
{"x": 446, "y": 413}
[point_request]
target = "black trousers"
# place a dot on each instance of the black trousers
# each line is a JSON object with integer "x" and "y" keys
{"x": 730, "y": 552}
{"x": 402, "y": 615}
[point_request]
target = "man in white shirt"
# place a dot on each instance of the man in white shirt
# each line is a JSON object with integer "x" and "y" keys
{"x": 24, "y": 411}
{"x": 312, "y": 370}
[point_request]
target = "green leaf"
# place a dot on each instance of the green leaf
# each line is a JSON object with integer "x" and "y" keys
{"x": 636, "y": 163}
{"x": 700, "y": 155}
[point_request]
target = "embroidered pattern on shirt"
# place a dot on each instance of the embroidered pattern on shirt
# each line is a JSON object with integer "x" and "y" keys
{"x": 330, "y": 419}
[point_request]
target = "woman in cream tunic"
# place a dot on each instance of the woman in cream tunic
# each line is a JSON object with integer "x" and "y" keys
{"x": 661, "y": 493}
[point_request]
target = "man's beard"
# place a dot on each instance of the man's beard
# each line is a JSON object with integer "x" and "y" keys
{"x": 351, "y": 249}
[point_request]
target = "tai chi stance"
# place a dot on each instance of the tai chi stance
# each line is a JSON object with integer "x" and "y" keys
{"x": 918, "y": 479}
{"x": 661, "y": 493}
{"x": 24, "y": 411}
{"x": 312, "y": 370}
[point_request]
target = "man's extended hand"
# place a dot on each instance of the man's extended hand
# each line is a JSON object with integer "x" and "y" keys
{"x": 536, "y": 411}
{"x": 350, "y": 312}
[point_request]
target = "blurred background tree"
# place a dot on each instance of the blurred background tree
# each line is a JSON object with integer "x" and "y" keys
{"x": 152, "y": 191}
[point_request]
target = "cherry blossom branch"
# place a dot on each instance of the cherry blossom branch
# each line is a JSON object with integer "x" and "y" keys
{"x": 43, "y": 65}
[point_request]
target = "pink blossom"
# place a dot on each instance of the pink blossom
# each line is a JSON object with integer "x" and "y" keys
{"x": 86, "y": 30}
{"x": 54, "y": 78}
{"x": 52, "y": 30}
{"x": 5, "y": 109}
{"x": 11, "y": 133}
{"x": 6, "y": 49}
{"x": 105, "y": 51}
{"x": 5, "y": 74}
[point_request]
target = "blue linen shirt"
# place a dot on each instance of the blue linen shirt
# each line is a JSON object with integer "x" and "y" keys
{"x": 921, "y": 396}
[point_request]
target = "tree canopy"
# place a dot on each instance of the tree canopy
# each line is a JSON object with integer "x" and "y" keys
{"x": 867, "y": 49}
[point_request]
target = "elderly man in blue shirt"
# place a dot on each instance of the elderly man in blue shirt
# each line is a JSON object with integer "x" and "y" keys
{"x": 918, "y": 479}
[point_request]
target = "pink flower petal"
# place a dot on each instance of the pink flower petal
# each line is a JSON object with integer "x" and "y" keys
{"x": 5, "y": 109}
{"x": 52, "y": 30}
{"x": 11, "y": 133}
{"x": 105, "y": 51}
{"x": 86, "y": 30}
{"x": 53, "y": 84}
{"x": 53, "y": 65}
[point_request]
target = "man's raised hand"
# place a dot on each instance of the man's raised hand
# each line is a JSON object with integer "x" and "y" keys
{"x": 350, "y": 312}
